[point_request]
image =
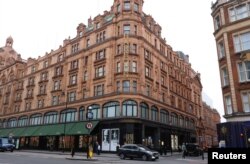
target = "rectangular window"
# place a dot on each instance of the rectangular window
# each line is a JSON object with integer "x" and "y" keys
{"x": 136, "y": 7}
{"x": 85, "y": 76}
{"x": 58, "y": 71}
{"x": 134, "y": 66}
{"x": 101, "y": 54}
{"x": 99, "y": 90}
{"x": 134, "y": 86}
{"x": 57, "y": 85}
{"x": 60, "y": 58}
{"x": 217, "y": 22}
{"x": 126, "y": 29}
{"x": 55, "y": 100}
{"x": 75, "y": 48}
{"x": 45, "y": 64}
{"x": 118, "y": 67}
{"x": 134, "y": 49}
{"x": 118, "y": 7}
{"x": 73, "y": 80}
{"x": 126, "y": 66}
{"x": 244, "y": 71}
{"x": 147, "y": 71}
{"x": 246, "y": 101}
{"x": 72, "y": 96}
{"x": 127, "y": 5}
{"x": 162, "y": 80}
{"x": 147, "y": 55}
{"x": 221, "y": 50}
{"x": 126, "y": 86}
{"x": 242, "y": 42}
{"x": 239, "y": 12}
{"x": 228, "y": 103}
{"x": 100, "y": 71}
{"x": 225, "y": 80}
{"x": 74, "y": 64}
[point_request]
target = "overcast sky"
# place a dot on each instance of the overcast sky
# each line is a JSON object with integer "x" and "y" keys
{"x": 37, "y": 26}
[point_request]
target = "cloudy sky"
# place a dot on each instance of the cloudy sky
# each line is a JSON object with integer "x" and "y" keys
{"x": 37, "y": 26}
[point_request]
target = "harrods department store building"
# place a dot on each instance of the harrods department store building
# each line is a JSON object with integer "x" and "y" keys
{"x": 118, "y": 67}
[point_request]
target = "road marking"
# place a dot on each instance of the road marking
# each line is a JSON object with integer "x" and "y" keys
{"x": 192, "y": 160}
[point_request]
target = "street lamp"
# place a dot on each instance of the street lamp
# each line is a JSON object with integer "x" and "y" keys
{"x": 65, "y": 119}
{"x": 89, "y": 126}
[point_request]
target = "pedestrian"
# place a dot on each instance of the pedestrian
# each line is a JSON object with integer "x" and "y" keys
{"x": 165, "y": 150}
{"x": 202, "y": 153}
{"x": 98, "y": 148}
{"x": 72, "y": 151}
{"x": 184, "y": 149}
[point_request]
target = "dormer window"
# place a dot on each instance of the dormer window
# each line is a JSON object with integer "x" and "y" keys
{"x": 127, "y": 5}
{"x": 136, "y": 7}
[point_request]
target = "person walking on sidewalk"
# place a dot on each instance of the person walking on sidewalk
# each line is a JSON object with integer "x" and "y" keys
{"x": 184, "y": 149}
{"x": 98, "y": 148}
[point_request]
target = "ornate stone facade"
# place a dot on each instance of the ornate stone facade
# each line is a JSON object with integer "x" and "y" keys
{"x": 121, "y": 69}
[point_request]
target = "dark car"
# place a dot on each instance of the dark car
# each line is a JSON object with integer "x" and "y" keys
{"x": 6, "y": 145}
{"x": 193, "y": 149}
{"x": 137, "y": 151}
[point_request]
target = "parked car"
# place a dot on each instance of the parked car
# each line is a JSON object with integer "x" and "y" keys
{"x": 137, "y": 151}
{"x": 193, "y": 149}
{"x": 6, "y": 145}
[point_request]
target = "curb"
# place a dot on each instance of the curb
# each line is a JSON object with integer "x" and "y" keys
{"x": 81, "y": 159}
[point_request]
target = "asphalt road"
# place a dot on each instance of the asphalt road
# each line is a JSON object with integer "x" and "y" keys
{"x": 52, "y": 158}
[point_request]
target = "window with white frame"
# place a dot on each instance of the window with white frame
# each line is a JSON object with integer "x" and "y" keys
{"x": 228, "y": 103}
{"x": 100, "y": 54}
{"x": 134, "y": 86}
{"x": 126, "y": 29}
{"x": 239, "y": 12}
{"x": 118, "y": 67}
{"x": 221, "y": 50}
{"x": 45, "y": 64}
{"x": 242, "y": 42}
{"x": 58, "y": 71}
{"x": 246, "y": 101}
{"x": 134, "y": 66}
{"x": 40, "y": 103}
{"x": 127, "y": 5}
{"x": 100, "y": 71}
{"x": 57, "y": 85}
{"x": 73, "y": 80}
{"x": 244, "y": 71}
{"x": 118, "y": 7}
{"x": 126, "y": 66}
{"x": 225, "y": 77}
{"x": 74, "y": 64}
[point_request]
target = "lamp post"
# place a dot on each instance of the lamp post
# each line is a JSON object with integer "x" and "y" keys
{"x": 89, "y": 126}
{"x": 65, "y": 119}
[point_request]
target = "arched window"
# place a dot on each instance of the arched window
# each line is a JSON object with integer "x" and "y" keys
{"x": 50, "y": 118}
{"x": 12, "y": 122}
{"x": 82, "y": 113}
{"x": 164, "y": 116}
{"x": 111, "y": 109}
{"x": 154, "y": 113}
{"x": 36, "y": 119}
{"x": 129, "y": 108}
{"x": 174, "y": 119}
{"x": 68, "y": 115}
{"x": 186, "y": 122}
{"x": 144, "y": 111}
{"x": 23, "y": 121}
{"x": 95, "y": 110}
{"x": 181, "y": 121}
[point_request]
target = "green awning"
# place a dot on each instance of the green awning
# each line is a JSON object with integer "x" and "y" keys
{"x": 53, "y": 130}
{"x": 5, "y": 132}
{"x": 49, "y": 130}
{"x": 80, "y": 128}
{"x": 30, "y": 131}
{"x": 18, "y": 132}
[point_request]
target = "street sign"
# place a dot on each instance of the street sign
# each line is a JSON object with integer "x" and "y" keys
{"x": 89, "y": 125}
